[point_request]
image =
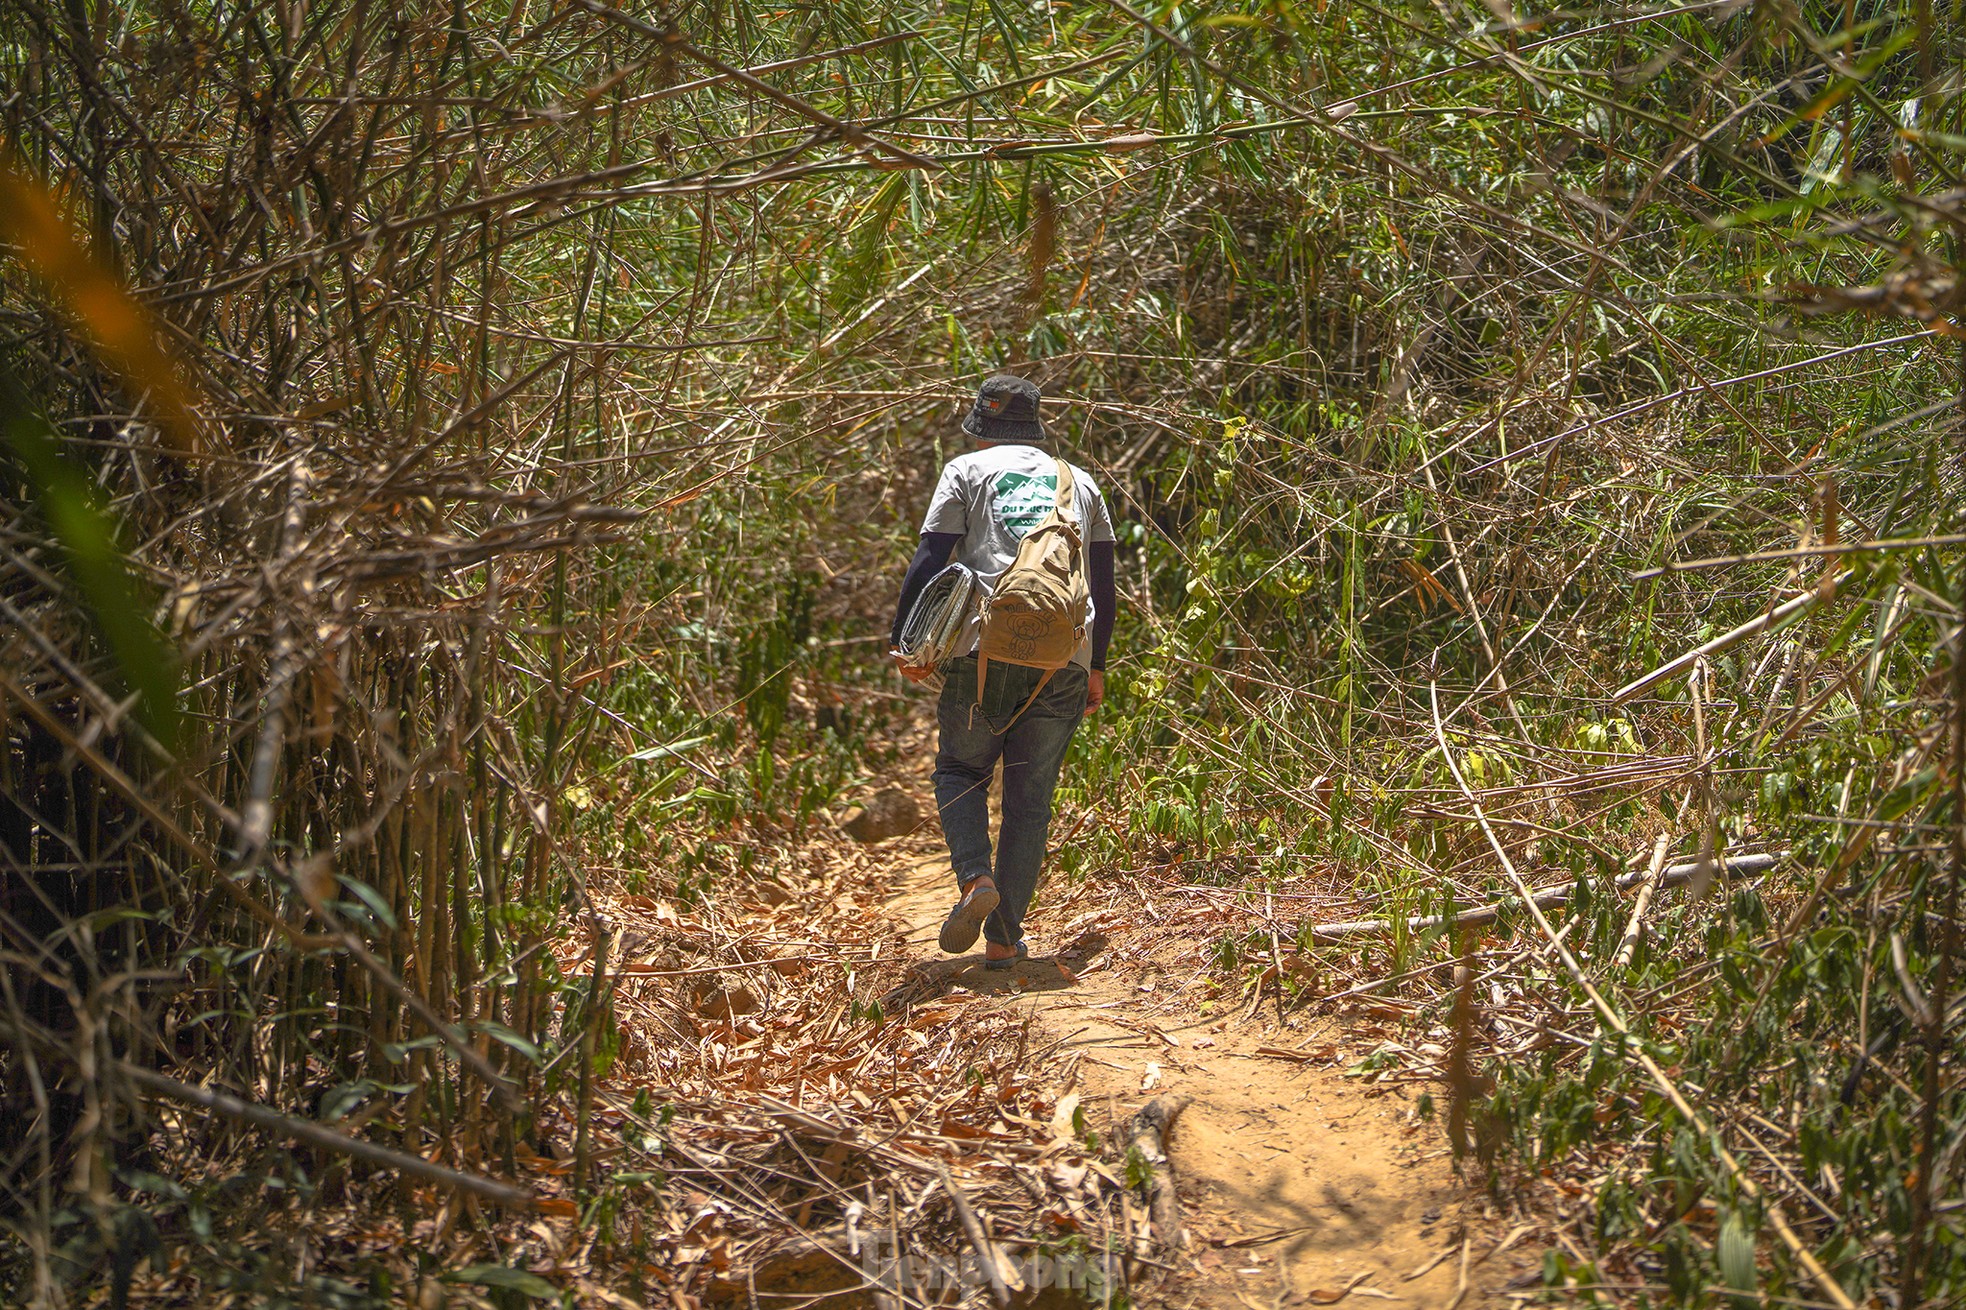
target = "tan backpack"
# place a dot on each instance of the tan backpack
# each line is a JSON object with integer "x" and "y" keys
{"x": 1036, "y": 614}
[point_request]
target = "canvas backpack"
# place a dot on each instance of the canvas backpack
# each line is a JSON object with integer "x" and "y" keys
{"x": 1036, "y": 614}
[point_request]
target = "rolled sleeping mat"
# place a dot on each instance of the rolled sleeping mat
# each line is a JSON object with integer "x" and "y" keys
{"x": 935, "y": 623}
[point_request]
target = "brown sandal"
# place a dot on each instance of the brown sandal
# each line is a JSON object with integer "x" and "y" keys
{"x": 965, "y": 923}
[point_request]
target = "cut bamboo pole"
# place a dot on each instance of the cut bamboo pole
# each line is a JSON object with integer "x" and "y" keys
{"x": 1741, "y": 865}
{"x": 1460, "y": 1064}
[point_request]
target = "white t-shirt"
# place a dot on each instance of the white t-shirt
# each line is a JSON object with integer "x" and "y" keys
{"x": 994, "y": 496}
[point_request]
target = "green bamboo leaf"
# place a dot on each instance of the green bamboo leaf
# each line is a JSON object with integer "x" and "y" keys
{"x": 673, "y": 750}
{"x": 397, "y": 1052}
{"x": 87, "y": 535}
{"x": 498, "y": 1032}
{"x": 1735, "y": 1253}
{"x": 517, "y": 1280}
{"x": 372, "y": 900}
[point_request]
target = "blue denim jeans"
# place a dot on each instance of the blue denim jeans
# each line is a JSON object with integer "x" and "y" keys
{"x": 1032, "y": 751}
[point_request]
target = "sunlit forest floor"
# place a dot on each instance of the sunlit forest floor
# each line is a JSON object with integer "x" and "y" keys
{"x": 1301, "y": 1180}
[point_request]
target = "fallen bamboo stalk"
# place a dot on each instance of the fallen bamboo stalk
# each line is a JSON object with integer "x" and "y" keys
{"x": 1827, "y": 549}
{"x": 329, "y": 1139}
{"x": 1635, "y": 925}
{"x": 1672, "y": 877}
{"x": 1148, "y": 1132}
{"x": 1767, "y": 621}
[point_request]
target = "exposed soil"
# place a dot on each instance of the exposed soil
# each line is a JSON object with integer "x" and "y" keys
{"x": 1299, "y": 1185}
{"x": 1307, "y": 1173}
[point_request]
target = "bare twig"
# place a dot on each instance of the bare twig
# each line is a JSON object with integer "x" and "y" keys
{"x": 1647, "y": 888}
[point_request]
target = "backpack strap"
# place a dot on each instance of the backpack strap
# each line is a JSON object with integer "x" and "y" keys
{"x": 1065, "y": 499}
{"x": 1036, "y": 692}
{"x": 982, "y": 663}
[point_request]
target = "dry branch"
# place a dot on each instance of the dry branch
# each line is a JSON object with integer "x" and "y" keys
{"x": 1147, "y": 1134}
{"x": 675, "y": 40}
{"x": 979, "y": 1241}
{"x": 329, "y": 1139}
{"x": 1771, "y": 620}
{"x": 1610, "y": 1021}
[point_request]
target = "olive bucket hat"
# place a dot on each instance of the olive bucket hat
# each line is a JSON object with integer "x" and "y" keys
{"x": 1006, "y": 410}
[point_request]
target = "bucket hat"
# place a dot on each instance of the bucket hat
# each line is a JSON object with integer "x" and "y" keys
{"x": 1006, "y": 410}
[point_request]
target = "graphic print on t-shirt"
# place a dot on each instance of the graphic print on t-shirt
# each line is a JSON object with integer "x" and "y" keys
{"x": 1021, "y": 500}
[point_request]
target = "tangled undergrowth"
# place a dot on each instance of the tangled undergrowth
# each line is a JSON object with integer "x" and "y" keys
{"x": 778, "y": 1087}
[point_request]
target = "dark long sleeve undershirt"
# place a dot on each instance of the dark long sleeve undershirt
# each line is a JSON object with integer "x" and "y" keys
{"x": 936, "y": 547}
{"x": 1104, "y": 600}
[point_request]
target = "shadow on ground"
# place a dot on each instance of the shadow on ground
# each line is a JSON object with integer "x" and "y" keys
{"x": 925, "y": 982}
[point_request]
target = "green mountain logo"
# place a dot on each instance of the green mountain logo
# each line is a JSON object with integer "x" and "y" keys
{"x": 1021, "y": 500}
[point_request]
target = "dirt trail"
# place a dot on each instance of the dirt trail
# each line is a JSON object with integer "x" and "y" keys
{"x": 1296, "y": 1182}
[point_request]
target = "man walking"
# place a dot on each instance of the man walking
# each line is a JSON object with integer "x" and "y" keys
{"x": 984, "y": 504}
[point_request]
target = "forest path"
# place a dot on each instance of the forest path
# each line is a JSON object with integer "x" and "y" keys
{"x": 1298, "y": 1185}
